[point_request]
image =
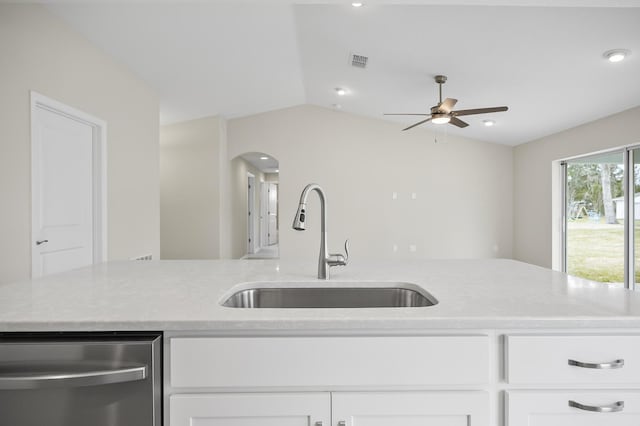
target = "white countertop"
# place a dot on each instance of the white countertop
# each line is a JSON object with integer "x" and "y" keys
{"x": 186, "y": 295}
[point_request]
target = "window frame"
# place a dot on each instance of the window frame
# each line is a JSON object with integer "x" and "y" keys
{"x": 628, "y": 193}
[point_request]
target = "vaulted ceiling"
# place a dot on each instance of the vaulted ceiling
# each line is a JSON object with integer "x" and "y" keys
{"x": 544, "y": 59}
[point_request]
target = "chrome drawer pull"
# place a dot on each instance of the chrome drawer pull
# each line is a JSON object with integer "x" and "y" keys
{"x": 615, "y": 407}
{"x": 618, "y": 363}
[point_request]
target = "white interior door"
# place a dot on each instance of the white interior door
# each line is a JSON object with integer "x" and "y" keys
{"x": 65, "y": 192}
{"x": 264, "y": 209}
{"x": 272, "y": 214}
{"x": 251, "y": 196}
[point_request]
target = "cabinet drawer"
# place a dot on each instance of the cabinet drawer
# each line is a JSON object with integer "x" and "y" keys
{"x": 551, "y": 408}
{"x": 573, "y": 359}
{"x": 328, "y": 361}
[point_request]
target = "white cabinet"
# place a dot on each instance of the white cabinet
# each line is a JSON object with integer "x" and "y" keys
{"x": 586, "y": 364}
{"x": 336, "y": 408}
{"x": 551, "y": 408}
{"x": 338, "y": 380}
{"x": 458, "y": 379}
{"x": 410, "y": 408}
{"x": 260, "y": 409}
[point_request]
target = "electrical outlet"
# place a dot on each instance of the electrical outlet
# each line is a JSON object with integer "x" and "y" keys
{"x": 144, "y": 257}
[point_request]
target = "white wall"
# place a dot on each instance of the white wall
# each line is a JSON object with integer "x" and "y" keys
{"x": 224, "y": 192}
{"x": 38, "y": 52}
{"x": 464, "y": 187}
{"x": 190, "y": 189}
{"x": 533, "y": 221}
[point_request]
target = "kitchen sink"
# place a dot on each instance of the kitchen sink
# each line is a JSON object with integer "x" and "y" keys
{"x": 335, "y": 295}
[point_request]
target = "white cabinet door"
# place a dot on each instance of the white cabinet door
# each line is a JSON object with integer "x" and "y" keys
{"x": 551, "y": 408}
{"x": 267, "y": 409}
{"x": 442, "y": 408}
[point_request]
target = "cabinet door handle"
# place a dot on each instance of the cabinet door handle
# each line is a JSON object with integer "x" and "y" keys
{"x": 318, "y": 423}
{"x": 615, "y": 407}
{"x": 342, "y": 423}
{"x": 618, "y": 363}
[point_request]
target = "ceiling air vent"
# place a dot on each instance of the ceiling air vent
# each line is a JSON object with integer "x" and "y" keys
{"x": 359, "y": 61}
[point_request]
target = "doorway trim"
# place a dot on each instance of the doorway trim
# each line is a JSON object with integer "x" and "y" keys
{"x": 99, "y": 169}
{"x": 251, "y": 213}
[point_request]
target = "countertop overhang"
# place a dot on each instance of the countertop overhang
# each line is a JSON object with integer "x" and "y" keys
{"x": 186, "y": 296}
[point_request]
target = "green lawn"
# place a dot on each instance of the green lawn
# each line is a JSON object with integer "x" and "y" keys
{"x": 596, "y": 250}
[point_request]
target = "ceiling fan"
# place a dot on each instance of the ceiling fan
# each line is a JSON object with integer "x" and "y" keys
{"x": 443, "y": 112}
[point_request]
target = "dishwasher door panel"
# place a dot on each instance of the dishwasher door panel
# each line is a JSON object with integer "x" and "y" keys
{"x": 99, "y": 382}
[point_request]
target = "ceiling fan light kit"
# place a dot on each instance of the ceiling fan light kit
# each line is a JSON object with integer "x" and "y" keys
{"x": 438, "y": 118}
{"x": 443, "y": 112}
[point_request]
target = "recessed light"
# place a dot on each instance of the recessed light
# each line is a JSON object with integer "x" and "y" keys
{"x": 489, "y": 123}
{"x": 616, "y": 55}
{"x": 277, "y": 170}
{"x": 340, "y": 91}
{"x": 357, "y": 4}
{"x": 264, "y": 158}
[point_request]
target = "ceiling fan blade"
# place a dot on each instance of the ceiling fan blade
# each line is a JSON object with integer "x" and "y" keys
{"x": 479, "y": 111}
{"x": 447, "y": 105}
{"x": 424, "y": 115}
{"x": 417, "y": 124}
{"x": 457, "y": 122}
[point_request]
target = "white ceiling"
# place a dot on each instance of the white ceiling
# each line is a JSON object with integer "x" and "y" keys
{"x": 268, "y": 165}
{"x": 240, "y": 58}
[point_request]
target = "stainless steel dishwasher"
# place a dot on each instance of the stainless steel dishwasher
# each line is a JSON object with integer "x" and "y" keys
{"x": 100, "y": 379}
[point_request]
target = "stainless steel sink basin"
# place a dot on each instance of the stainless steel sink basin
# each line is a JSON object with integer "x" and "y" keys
{"x": 343, "y": 296}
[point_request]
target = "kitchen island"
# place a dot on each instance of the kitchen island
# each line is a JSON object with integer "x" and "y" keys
{"x": 187, "y": 295}
{"x": 506, "y": 344}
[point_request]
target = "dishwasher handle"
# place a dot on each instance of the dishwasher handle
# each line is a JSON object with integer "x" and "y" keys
{"x": 73, "y": 379}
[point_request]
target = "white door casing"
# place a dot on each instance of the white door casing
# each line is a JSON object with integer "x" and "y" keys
{"x": 251, "y": 196}
{"x": 264, "y": 210}
{"x": 68, "y": 172}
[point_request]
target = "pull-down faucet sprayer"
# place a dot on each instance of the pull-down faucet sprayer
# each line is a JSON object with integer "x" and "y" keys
{"x": 325, "y": 259}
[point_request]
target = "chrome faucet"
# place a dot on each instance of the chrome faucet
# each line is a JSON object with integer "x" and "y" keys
{"x": 325, "y": 260}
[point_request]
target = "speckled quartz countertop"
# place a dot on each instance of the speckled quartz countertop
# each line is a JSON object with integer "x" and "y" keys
{"x": 186, "y": 295}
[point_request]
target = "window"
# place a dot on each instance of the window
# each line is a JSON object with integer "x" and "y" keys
{"x": 599, "y": 241}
